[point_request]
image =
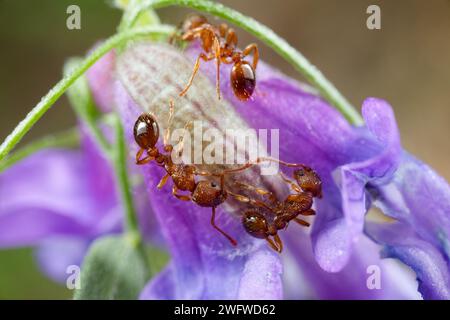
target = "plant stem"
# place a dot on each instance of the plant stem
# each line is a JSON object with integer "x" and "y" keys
{"x": 81, "y": 100}
{"x": 266, "y": 35}
{"x": 119, "y": 158}
{"x": 65, "y": 139}
{"x": 48, "y": 100}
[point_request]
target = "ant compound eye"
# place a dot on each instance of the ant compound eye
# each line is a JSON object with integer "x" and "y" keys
{"x": 243, "y": 80}
{"x": 146, "y": 131}
{"x": 255, "y": 224}
{"x": 309, "y": 181}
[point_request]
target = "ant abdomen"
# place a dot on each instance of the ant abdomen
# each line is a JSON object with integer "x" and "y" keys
{"x": 146, "y": 131}
{"x": 208, "y": 194}
{"x": 243, "y": 80}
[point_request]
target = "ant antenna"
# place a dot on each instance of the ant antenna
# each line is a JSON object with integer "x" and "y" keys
{"x": 180, "y": 146}
{"x": 169, "y": 121}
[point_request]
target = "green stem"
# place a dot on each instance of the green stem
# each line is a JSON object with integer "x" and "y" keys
{"x": 66, "y": 139}
{"x": 266, "y": 35}
{"x": 47, "y": 101}
{"x": 119, "y": 158}
{"x": 82, "y": 102}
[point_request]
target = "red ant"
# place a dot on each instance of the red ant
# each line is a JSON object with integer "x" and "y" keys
{"x": 204, "y": 193}
{"x": 220, "y": 43}
{"x": 307, "y": 185}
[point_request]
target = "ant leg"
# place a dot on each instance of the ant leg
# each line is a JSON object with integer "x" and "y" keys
{"x": 284, "y": 163}
{"x": 244, "y": 199}
{"x": 163, "y": 181}
{"x": 213, "y": 223}
{"x": 252, "y": 47}
{"x": 180, "y": 147}
{"x": 180, "y": 196}
{"x": 242, "y": 168}
{"x": 231, "y": 37}
{"x": 309, "y": 212}
{"x": 224, "y": 172}
{"x": 144, "y": 160}
{"x": 202, "y": 56}
{"x": 302, "y": 222}
{"x": 217, "y": 50}
{"x": 223, "y": 27}
{"x": 293, "y": 185}
{"x": 258, "y": 161}
{"x": 259, "y": 191}
{"x": 169, "y": 123}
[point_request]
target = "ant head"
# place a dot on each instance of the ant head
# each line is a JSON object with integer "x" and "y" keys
{"x": 146, "y": 131}
{"x": 208, "y": 194}
{"x": 309, "y": 181}
{"x": 243, "y": 80}
{"x": 256, "y": 224}
{"x": 192, "y": 21}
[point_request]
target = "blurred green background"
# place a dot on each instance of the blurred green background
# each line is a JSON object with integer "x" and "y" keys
{"x": 407, "y": 62}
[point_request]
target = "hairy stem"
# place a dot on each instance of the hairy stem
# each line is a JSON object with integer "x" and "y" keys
{"x": 266, "y": 35}
{"x": 119, "y": 158}
{"x": 48, "y": 100}
{"x": 66, "y": 139}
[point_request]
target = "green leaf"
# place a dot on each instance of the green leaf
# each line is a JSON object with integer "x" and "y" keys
{"x": 112, "y": 269}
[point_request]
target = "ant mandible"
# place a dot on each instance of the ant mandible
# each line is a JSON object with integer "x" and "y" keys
{"x": 203, "y": 193}
{"x": 220, "y": 43}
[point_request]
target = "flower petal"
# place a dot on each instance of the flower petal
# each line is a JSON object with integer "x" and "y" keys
{"x": 353, "y": 177}
{"x": 204, "y": 264}
{"x": 101, "y": 81}
{"x": 349, "y": 283}
{"x": 42, "y": 196}
{"x": 419, "y": 199}
{"x": 55, "y": 255}
{"x": 58, "y": 192}
{"x": 429, "y": 264}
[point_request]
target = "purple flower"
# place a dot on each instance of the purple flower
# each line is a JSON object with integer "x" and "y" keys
{"x": 353, "y": 163}
{"x": 58, "y": 200}
{"x": 62, "y": 194}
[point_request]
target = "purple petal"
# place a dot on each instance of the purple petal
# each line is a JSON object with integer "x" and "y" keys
{"x": 101, "y": 81}
{"x": 42, "y": 196}
{"x": 353, "y": 177}
{"x": 57, "y": 254}
{"x": 307, "y": 280}
{"x": 257, "y": 280}
{"x": 57, "y": 192}
{"x": 431, "y": 267}
{"x": 418, "y": 197}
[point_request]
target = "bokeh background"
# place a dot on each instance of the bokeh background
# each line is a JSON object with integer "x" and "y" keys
{"x": 407, "y": 62}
